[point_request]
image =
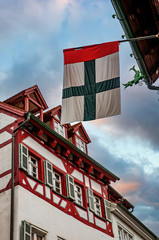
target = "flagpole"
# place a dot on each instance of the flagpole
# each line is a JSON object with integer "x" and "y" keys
{"x": 140, "y": 38}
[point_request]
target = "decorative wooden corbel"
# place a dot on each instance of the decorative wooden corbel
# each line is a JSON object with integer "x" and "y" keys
{"x": 79, "y": 161}
{"x": 66, "y": 152}
{"x": 89, "y": 169}
{"x": 39, "y": 132}
{"x": 58, "y": 149}
{"x": 53, "y": 143}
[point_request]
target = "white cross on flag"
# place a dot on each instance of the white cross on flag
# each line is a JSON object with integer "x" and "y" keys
{"x": 91, "y": 87}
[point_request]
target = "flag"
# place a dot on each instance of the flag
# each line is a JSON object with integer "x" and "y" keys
{"x": 91, "y": 86}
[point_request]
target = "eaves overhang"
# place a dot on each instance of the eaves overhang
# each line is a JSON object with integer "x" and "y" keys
{"x": 122, "y": 17}
{"x": 35, "y": 121}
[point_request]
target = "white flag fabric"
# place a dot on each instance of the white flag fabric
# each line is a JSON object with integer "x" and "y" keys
{"x": 91, "y": 87}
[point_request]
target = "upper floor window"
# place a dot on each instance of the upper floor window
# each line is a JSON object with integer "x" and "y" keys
{"x": 33, "y": 167}
{"x": 27, "y": 162}
{"x": 57, "y": 182}
{"x": 52, "y": 178}
{"x": 59, "y": 129}
{"x": 78, "y": 195}
{"x": 80, "y": 144}
{"x": 97, "y": 206}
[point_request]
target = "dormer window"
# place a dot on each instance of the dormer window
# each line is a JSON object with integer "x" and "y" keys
{"x": 59, "y": 129}
{"x": 80, "y": 144}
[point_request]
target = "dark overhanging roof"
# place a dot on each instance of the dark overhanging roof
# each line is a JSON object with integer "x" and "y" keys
{"x": 141, "y": 19}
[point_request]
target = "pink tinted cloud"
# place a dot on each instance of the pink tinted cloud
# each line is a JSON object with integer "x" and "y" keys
{"x": 125, "y": 188}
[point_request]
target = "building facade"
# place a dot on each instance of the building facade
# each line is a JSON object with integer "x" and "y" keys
{"x": 50, "y": 188}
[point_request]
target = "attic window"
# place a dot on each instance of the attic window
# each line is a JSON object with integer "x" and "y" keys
{"x": 80, "y": 144}
{"x": 59, "y": 129}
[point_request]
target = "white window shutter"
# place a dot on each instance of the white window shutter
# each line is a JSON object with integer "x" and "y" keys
{"x": 48, "y": 173}
{"x": 70, "y": 187}
{"x": 107, "y": 205}
{"x": 90, "y": 198}
{"x": 23, "y": 157}
{"x": 26, "y": 230}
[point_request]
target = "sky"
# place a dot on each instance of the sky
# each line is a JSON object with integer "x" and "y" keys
{"x": 33, "y": 34}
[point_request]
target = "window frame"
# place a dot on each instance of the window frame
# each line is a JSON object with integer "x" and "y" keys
{"x": 69, "y": 185}
{"x": 79, "y": 143}
{"x": 97, "y": 204}
{"x": 30, "y": 153}
{"x": 33, "y": 230}
{"x": 76, "y": 185}
{"x": 56, "y": 180}
{"x": 90, "y": 199}
{"x": 107, "y": 208}
{"x": 31, "y": 164}
{"x": 22, "y": 156}
{"x": 48, "y": 170}
{"x": 58, "y": 127}
{"x": 123, "y": 231}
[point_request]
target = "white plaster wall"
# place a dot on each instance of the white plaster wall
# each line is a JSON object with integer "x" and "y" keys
{"x": 30, "y": 142}
{"x": 5, "y": 215}
{"x": 5, "y": 120}
{"x": 77, "y": 175}
{"x": 4, "y": 181}
{"x": 96, "y": 186}
{"x": 5, "y": 158}
{"x": 57, "y": 223}
{"x": 117, "y": 221}
{"x": 5, "y": 136}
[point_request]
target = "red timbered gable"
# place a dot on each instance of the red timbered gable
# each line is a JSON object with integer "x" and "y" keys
{"x": 53, "y": 166}
{"x": 29, "y": 99}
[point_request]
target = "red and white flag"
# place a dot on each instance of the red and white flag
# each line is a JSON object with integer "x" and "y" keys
{"x": 91, "y": 87}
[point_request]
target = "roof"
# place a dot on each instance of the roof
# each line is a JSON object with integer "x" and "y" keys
{"x": 35, "y": 120}
{"x": 140, "y": 19}
{"x": 122, "y": 200}
{"x": 12, "y": 109}
{"x": 78, "y": 126}
{"x": 34, "y": 95}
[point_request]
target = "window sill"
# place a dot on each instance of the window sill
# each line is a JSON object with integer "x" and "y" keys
{"x": 34, "y": 178}
{"x": 80, "y": 206}
{"x": 59, "y": 194}
{"x": 100, "y": 217}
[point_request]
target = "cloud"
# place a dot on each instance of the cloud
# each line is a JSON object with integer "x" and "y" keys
{"x": 124, "y": 187}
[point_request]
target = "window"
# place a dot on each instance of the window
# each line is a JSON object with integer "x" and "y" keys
{"x": 59, "y": 129}
{"x": 31, "y": 232}
{"x": 23, "y": 157}
{"x": 97, "y": 206}
{"x": 27, "y": 162}
{"x": 78, "y": 195}
{"x": 70, "y": 187}
{"x": 33, "y": 167}
{"x": 107, "y": 205}
{"x": 48, "y": 173}
{"x": 90, "y": 199}
{"x": 124, "y": 234}
{"x": 80, "y": 144}
{"x": 57, "y": 182}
